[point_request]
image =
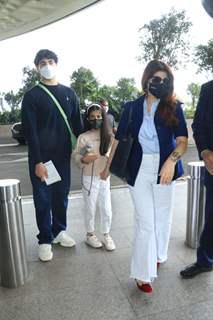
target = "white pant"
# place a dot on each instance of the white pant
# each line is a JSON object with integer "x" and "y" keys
{"x": 100, "y": 194}
{"x": 153, "y": 216}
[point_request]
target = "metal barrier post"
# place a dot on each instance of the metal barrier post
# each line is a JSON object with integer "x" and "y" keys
{"x": 13, "y": 261}
{"x": 196, "y": 197}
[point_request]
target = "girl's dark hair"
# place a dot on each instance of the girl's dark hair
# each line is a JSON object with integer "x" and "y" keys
{"x": 104, "y": 131}
{"x": 167, "y": 105}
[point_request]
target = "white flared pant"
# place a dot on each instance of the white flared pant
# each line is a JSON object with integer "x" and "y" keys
{"x": 99, "y": 195}
{"x": 153, "y": 216}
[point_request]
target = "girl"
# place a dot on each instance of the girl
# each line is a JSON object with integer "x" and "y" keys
{"x": 91, "y": 155}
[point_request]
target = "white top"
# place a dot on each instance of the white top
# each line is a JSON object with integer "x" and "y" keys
{"x": 91, "y": 137}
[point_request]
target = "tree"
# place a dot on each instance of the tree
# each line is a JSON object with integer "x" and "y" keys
{"x": 30, "y": 78}
{"x": 13, "y": 99}
{"x": 165, "y": 38}
{"x": 108, "y": 93}
{"x": 124, "y": 91}
{"x": 193, "y": 90}
{"x": 204, "y": 57}
{"x": 85, "y": 85}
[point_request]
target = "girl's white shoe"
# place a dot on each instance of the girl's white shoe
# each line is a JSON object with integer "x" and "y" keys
{"x": 93, "y": 241}
{"x": 109, "y": 243}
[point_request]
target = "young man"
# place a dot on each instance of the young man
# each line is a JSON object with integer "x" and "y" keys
{"x": 48, "y": 138}
{"x": 111, "y": 121}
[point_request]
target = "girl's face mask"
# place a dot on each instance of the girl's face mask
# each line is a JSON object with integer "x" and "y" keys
{"x": 95, "y": 119}
{"x": 96, "y": 123}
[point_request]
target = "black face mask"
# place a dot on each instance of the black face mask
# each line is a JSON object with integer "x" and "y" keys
{"x": 159, "y": 90}
{"x": 159, "y": 87}
{"x": 96, "y": 123}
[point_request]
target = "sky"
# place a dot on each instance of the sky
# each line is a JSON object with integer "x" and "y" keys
{"x": 105, "y": 39}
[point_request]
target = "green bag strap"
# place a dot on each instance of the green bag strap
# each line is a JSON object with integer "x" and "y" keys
{"x": 73, "y": 138}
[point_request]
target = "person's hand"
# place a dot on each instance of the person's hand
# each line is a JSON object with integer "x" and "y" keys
{"x": 105, "y": 174}
{"x": 114, "y": 130}
{"x": 167, "y": 171}
{"x": 41, "y": 171}
{"x": 89, "y": 157}
{"x": 207, "y": 156}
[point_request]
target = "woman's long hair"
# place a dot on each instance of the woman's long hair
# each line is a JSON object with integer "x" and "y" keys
{"x": 104, "y": 130}
{"x": 167, "y": 104}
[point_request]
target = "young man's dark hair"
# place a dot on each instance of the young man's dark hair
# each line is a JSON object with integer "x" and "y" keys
{"x": 45, "y": 54}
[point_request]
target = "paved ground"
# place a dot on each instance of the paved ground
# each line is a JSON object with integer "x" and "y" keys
{"x": 92, "y": 284}
{"x": 88, "y": 284}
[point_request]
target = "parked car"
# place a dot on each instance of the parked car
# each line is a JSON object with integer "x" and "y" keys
{"x": 18, "y": 133}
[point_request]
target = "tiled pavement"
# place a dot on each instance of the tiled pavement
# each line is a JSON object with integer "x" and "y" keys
{"x": 82, "y": 283}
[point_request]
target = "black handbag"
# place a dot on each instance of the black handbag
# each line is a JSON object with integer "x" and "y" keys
{"x": 119, "y": 162}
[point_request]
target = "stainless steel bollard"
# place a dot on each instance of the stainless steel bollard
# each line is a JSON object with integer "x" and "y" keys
{"x": 196, "y": 197}
{"x": 13, "y": 261}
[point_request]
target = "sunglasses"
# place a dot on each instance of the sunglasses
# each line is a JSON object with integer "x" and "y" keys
{"x": 157, "y": 80}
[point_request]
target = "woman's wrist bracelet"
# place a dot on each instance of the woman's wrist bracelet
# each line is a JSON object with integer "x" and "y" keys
{"x": 175, "y": 156}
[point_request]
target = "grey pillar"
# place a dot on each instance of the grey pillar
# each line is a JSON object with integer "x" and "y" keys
{"x": 196, "y": 197}
{"x": 13, "y": 261}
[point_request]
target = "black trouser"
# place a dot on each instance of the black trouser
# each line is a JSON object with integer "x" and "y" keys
{"x": 51, "y": 201}
{"x": 205, "y": 250}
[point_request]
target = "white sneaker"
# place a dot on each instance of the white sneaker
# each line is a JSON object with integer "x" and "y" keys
{"x": 109, "y": 243}
{"x": 45, "y": 252}
{"x": 64, "y": 240}
{"x": 93, "y": 241}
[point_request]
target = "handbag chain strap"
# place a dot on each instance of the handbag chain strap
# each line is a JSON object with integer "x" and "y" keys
{"x": 73, "y": 138}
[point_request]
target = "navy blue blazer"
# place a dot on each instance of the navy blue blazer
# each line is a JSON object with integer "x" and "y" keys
{"x": 166, "y": 136}
{"x": 202, "y": 125}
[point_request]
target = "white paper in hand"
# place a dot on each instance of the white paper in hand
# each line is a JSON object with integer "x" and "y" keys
{"x": 53, "y": 175}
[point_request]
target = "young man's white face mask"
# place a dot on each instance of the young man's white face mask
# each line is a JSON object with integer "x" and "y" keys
{"x": 48, "y": 71}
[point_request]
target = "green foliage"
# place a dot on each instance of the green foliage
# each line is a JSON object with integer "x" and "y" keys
{"x": 204, "y": 57}
{"x": 189, "y": 111}
{"x": 89, "y": 90}
{"x": 85, "y": 85}
{"x": 12, "y": 116}
{"x": 193, "y": 90}
{"x": 165, "y": 39}
{"x": 125, "y": 91}
{"x": 30, "y": 78}
{"x": 12, "y": 99}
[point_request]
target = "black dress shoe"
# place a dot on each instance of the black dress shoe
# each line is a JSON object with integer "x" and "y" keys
{"x": 193, "y": 269}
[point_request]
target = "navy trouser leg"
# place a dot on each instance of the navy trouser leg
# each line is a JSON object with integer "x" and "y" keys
{"x": 42, "y": 201}
{"x": 60, "y": 191}
{"x": 205, "y": 250}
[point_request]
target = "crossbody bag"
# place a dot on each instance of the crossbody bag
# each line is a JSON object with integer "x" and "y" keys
{"x": 72, "y": 136}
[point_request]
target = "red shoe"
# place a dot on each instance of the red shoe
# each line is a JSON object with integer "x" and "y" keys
{"x": 158, "y": 265}
{"x": 144, "y": 287}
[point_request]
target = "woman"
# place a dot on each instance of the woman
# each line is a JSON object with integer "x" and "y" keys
{"x": 91, "y": 154}
{"x": 160, "y": 139}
